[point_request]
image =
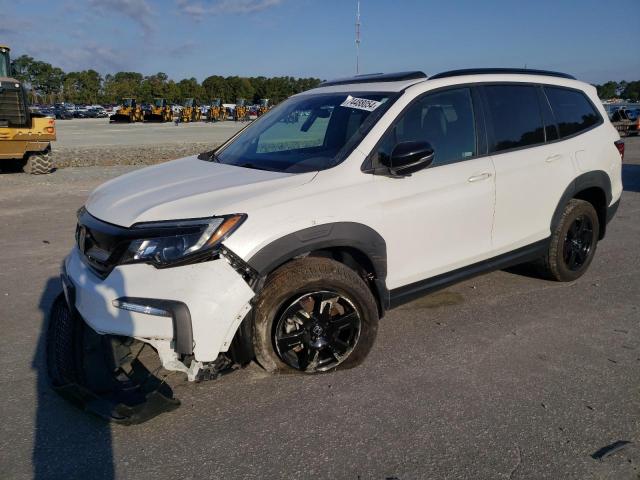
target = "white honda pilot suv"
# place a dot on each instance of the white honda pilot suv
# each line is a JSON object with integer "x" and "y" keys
{"x": 289, "y": 242}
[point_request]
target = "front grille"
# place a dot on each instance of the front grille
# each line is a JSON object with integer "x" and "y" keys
{"x": 101, "y": 244}
{"x": 12, "y": 108}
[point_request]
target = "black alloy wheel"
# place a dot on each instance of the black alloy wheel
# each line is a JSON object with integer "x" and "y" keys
{"x": 577, "y": 243}
{"x": 317, "y": 331}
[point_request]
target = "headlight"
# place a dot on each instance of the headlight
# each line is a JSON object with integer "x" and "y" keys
{"x": 179, "y": 242}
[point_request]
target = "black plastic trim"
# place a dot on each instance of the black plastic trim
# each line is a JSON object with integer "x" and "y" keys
{"x": 408, "y": 293}
{"x": 180, "y": 317}
{"x": 596, "y": 178}
{"x": 329, "y": 235}
{"x": 612, "y": 210}
{"x": 489, "y": 71}
{"x": 376, "y": 77}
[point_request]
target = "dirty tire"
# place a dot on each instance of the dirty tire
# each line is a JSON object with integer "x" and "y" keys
{"x": 553, "y": 265}
{"x": 306, "y": 275}
{"x": 64, "y": 336}
{"x": 38, "y": 164}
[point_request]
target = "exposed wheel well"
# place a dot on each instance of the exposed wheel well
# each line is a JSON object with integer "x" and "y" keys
{"x": 596, "y": 197}
{"x": 357, "y": 261}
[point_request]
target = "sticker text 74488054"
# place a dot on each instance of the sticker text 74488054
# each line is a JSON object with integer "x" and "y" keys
{"x": 361, "y": 103}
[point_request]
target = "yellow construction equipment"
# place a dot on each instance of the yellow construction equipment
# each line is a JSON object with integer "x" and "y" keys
{"x": 190, "y": 111}
{"x": 264, "y": 106}
{"x": 241, "y": 113}
{"x": 25, "y": 137}
{"x": 217, "y": 112}
{"x": 129, "y": 111}
{"x": 160, "y": 111}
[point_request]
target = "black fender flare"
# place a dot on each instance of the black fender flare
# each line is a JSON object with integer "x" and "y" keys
{"x": 596, "y": 178}
{"x": 328, "y": 235}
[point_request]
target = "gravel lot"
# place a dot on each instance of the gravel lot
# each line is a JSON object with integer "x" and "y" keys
{"x": 96, "y": 142}
{"x": 504, "y": 376}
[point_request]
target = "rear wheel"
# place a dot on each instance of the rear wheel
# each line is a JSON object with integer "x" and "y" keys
{"x": 314, "y": 315}
{"x": 38, "y": 164}
{"x": 573, "y": 243}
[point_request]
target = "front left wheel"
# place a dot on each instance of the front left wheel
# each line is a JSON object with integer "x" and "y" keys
{"x": 314, "y": 315}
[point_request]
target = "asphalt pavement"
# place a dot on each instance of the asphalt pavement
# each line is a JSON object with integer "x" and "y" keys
{"x": 503, "y": 376}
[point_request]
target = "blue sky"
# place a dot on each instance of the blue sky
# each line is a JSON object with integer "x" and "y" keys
{"x": 185, "y": 38}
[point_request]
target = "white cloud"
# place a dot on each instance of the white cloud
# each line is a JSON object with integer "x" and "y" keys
{"x": 138, "y": 11}
{"x": 200, "y": 8}
{"x": 89, "y": 55}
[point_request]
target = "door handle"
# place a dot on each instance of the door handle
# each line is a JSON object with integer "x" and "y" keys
{"x": 553, "y": 158}
{"x": 477, "y": 178}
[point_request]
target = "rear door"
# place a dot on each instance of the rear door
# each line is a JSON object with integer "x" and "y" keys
{"x": 532, "y": 168}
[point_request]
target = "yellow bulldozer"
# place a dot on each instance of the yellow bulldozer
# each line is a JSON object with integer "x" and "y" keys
{"x": 190, "y": 111}
{"x": 264, "y": 106}
{"x": 129, "y": 111}
{"x": 25, "y": 137}
{"x": 160, "y": 111}
{"x": 217, "y": 113}
{"x": 241, "y": 113}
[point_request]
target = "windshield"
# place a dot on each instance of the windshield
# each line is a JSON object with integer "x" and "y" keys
{"x": 127, "y": 102}
{"x": 159, "y": 102}
{"x": 306, "y": 133}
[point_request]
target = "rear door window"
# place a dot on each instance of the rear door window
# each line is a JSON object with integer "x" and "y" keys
{"x": 515, "y": 115}
{"x": 573, "y": 111}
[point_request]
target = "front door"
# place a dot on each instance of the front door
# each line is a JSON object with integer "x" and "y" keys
{"x": 440, "y": 218}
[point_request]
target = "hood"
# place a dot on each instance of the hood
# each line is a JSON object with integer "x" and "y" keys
{"x": 185, "y": 188}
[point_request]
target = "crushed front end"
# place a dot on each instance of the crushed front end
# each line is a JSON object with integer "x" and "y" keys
{"x": 188, "y": 313}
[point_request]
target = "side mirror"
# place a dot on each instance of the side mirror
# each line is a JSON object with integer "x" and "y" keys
{"x": 410, "y": 157}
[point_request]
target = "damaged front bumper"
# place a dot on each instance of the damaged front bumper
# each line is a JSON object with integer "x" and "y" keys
{"x": 192, "y": 310}
{"x": 101, "y": 374}
{"x": 188, "y": 314}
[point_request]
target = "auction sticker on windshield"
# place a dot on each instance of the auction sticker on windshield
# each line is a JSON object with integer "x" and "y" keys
{"x": 360, "y": 103}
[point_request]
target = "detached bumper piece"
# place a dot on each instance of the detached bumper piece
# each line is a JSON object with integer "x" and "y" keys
{"x": 102, "y": 374}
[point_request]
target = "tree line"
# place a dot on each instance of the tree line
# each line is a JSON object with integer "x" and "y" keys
{"x": 49, "y": 84}
{"x": 625, "y": 90}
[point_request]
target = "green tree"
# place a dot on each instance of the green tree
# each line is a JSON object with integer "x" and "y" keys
{"x": 83, "y": 87}
{"x": 607, "y": 90}
{"x": 122, "y": 85}
{"x": 190, "y": 88}
{"x": 632, "y": 91}
{"x": 216, "y": 86}
{"x": 154, "y": 86}
{"x": 44, "y": 80}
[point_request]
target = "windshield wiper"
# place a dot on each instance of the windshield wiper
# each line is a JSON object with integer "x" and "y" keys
{"x": 209, "y": 156}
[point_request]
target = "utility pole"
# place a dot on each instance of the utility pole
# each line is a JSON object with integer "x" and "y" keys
{"x": 358, "y": 38}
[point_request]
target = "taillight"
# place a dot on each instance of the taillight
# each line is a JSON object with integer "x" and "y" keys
{"x": 620, "y": 146}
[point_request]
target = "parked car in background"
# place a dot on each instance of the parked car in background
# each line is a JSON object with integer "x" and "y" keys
{"x": 626, "y": 121}
{"x": 47, "y": 112}
{"x": 100, "y": 112}
{"x": 61, "y": 112}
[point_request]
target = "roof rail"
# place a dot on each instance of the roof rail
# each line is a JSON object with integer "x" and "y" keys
{"x": 485, "y": 71}
{"x": 376, "y": 77}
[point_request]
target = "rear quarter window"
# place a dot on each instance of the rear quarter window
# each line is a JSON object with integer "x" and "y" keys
{"x": 574, "y": 113}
